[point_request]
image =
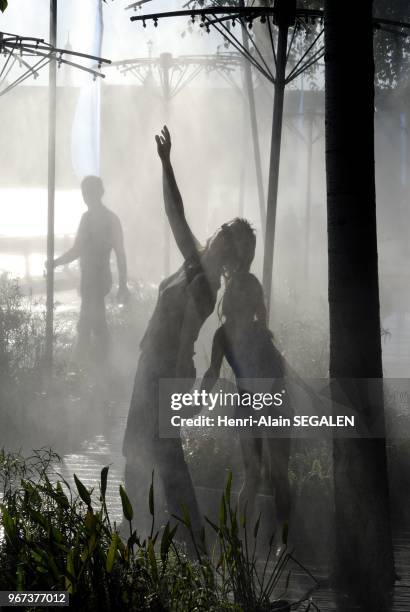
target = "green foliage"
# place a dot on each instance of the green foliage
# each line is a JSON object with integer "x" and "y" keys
{"x": 22, "y": 328}
{"x": 392, "y": 48}
{"x": 22, "y": 344}
{"x": 56, "y": 540}
{"x": 206, "y": 451}
{"x": 310, "y": 471}
{"x": 126, "y": 505}
{"x": 235, "y": 565}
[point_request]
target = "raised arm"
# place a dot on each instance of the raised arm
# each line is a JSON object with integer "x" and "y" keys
{"x": 174, "y": 207}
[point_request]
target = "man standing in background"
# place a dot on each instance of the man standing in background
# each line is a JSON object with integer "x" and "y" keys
{"x": 98, "y": 234}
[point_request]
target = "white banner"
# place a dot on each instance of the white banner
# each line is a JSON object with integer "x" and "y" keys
{"x": 85, "y": 136}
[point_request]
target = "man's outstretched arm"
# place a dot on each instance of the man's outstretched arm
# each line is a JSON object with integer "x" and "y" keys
{"x": 69, "y": 256}
{"x": 75, "y": 251}
{"x": 174, "y": 207}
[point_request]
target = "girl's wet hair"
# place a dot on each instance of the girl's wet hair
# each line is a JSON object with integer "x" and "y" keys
{"x": 241, "y": 239}
{"x": 244, "y": 295}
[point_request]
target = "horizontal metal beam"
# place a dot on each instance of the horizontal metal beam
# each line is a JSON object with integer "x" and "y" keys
{"x": 253, "y": 12}
{"x": 215, "y": 61}
{"x": 390, "y": 22}
{"x": 29, "y": 43}
{"x": 249, "y": 12}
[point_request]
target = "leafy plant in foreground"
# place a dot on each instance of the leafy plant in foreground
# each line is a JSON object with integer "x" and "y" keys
{"x": 59, "y": 539}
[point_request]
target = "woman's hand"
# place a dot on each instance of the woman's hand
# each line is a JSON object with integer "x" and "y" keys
{"x": 164, "y": 144}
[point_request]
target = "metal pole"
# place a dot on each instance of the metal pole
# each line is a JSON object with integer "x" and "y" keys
{"x": 274, "y": 160}
{"x": 241, "y": 207}
{"x": 52, "y": 100}
{"x": 403, "y": 149}
{"x": 404, "y": 173}
{"x": 165, "y": 62}
{"x": 310, "y": 119}
{"x": 254, "y": 127}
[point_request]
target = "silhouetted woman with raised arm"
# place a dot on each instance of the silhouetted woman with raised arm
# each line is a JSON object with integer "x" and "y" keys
{"x": 185, "y": 301}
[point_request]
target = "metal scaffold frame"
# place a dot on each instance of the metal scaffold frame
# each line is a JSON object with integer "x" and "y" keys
{"x": 17, "y": 52}
{"x": 283, "y": 22}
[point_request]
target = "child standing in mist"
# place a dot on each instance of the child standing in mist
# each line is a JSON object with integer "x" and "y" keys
{"x": 246, "y": 343}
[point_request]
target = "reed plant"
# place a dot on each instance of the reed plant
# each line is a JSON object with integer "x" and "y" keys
{"x": 60, "y": 537}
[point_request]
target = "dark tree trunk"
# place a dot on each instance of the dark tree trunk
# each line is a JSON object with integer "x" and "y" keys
{"x": 364, "y": 559}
